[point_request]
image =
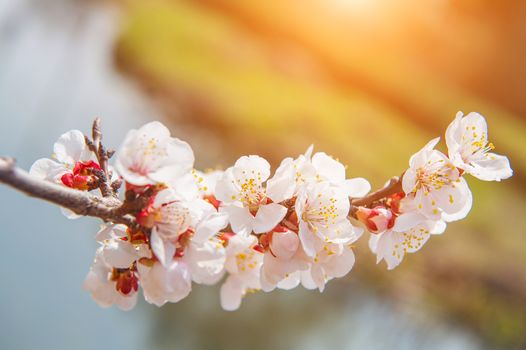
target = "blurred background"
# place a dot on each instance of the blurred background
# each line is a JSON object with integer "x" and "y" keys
{"x": 369, "y": 81}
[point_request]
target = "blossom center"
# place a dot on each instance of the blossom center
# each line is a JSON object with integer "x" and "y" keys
{"x": 322, "y": 215}
{"x": 434, "y": 176}
{"x": 246, "y": 260}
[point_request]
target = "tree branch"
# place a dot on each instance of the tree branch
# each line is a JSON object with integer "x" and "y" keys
{"x": 112, "y": 209}
{"x": 102, "y": 155}
{"x": 80, "y": 202}
{"x": 394, "y": 186}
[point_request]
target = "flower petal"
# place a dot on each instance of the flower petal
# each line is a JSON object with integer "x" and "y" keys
{"x": 280, "y": 188}
{"x": 47, "y": 169}
{"x": 340, "y": 265}
{"x": 328, "y": 168}
{"x": 164, "y": 251}
{"x": 231, "y": 293}
{"x": 357, "y": 187}
{"x": 268, "y": 216}
{"x": 494, "y": 167}
{"x": 284, "y": 244}
{"x": 240, "y": 218}
{"x": 70, "y": 147}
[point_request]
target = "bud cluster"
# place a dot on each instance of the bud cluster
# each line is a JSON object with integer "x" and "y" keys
{"x": 252, "y": 231}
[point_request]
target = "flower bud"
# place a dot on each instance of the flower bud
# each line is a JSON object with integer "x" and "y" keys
{"x": 377, "y": 220}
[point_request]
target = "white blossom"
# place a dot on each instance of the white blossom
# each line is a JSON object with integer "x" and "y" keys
{"x": 243, "y": 264}
{"x": 293, "y": 174}
{"x": 165, "y": 283}
{"x": 470, "y": 150}
{"x": 434, "y": 183}
{"x": 244, "y": 197}
{"x": 322, "y": 211}
{"x": 150, "y": 155}
{"x": 102, "y": 286}
{"x": 185, "y": 241}
{"x": 112, "y": 278}
{"x": 330, "y": 261}
{"x": 207, "y": 181}
{"x": 407, "y": 236}
{"x": 70, "y": 165}
{"x": 69, "y": 149}
{"x": 284, "y": 257}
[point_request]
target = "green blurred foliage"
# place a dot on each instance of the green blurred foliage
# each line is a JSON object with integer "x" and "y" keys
{"x": 271, "y": 78}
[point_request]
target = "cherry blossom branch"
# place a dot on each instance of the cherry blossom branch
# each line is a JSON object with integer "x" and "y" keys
{"x": 393, "y": 186}
{"x": 80, "y": 202}
{"x": 106, "y": 187}
{"x": 179, "y": 232}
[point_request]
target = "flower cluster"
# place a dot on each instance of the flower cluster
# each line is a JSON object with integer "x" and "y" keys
{"x": 434, "y": 191}
{"x": 254, "y": 230}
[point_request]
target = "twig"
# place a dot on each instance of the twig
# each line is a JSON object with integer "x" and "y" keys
{"x": 80, "y": 202}
{"x": 102, "y": 156}
{"x": 394, "y": 186}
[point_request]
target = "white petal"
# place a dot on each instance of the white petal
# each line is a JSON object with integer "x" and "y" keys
{"x": 226, "y": 188}
{"x": 407, "y": 221}
{"x": 454, "y": 136}
{"x": 427, "y": 205}
{"x": 318, "y": 277}
{"x": 340, "y": 265}
{"x": 70, "y": 147}
{"x": 161, "y": 284}
{"x": 252, "y": 166}
{"x": 179, "y": 160}
{"x": 290, "y": 282}
{"x": 306, "y": 280}
{"x": 307, "y": 239}
{"x": 101, "y": 291}
{"x": 211, "y": 225}
{"x": 184, "y": 186}
{"x": 284, "y": 244}
{"x": 231, "y": 294}
{"x": 206, "y": 261}
{"x": 328, "y": 168}
{"x": 415, "y": 238}
{"x": 452, "y": 199}
{"x": 467, "y": 198}
{"x": 126, "y": 302}
{"x": 494, "y": 168}
{"x": 419, "y": 159}
{"x": 373, "y": 242}
{"x": 341, "y": 232}
{"x": 164, "y": 251}
{"x": 47, "y": 169}
{"x": 437, "y": 227}
{"x": 104, "y": 233}
{"x": 268, "y": 216}
{"x": 390, "y": 249}
{"x": 280, "y": 188}
{"x": 409, "y": 181}
{"x": 476, "y": 123}
{"x": 240, "y": 218}
{"x": 119, "y": 254}
{"x": 164, "y": 197}
{"x": 357, "y": 187}
{"x": 273, "y": 271}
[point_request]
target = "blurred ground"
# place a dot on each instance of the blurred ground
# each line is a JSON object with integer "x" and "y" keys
{"x": 369, "y": 82}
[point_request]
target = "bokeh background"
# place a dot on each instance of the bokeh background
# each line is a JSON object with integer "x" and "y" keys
{"x": 369, "y": 81}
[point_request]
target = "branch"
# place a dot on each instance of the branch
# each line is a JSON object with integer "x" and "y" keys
{"x": 80, "y": 202}
{"x": 102, "y": 155}
{"x": 394, "y": 186}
